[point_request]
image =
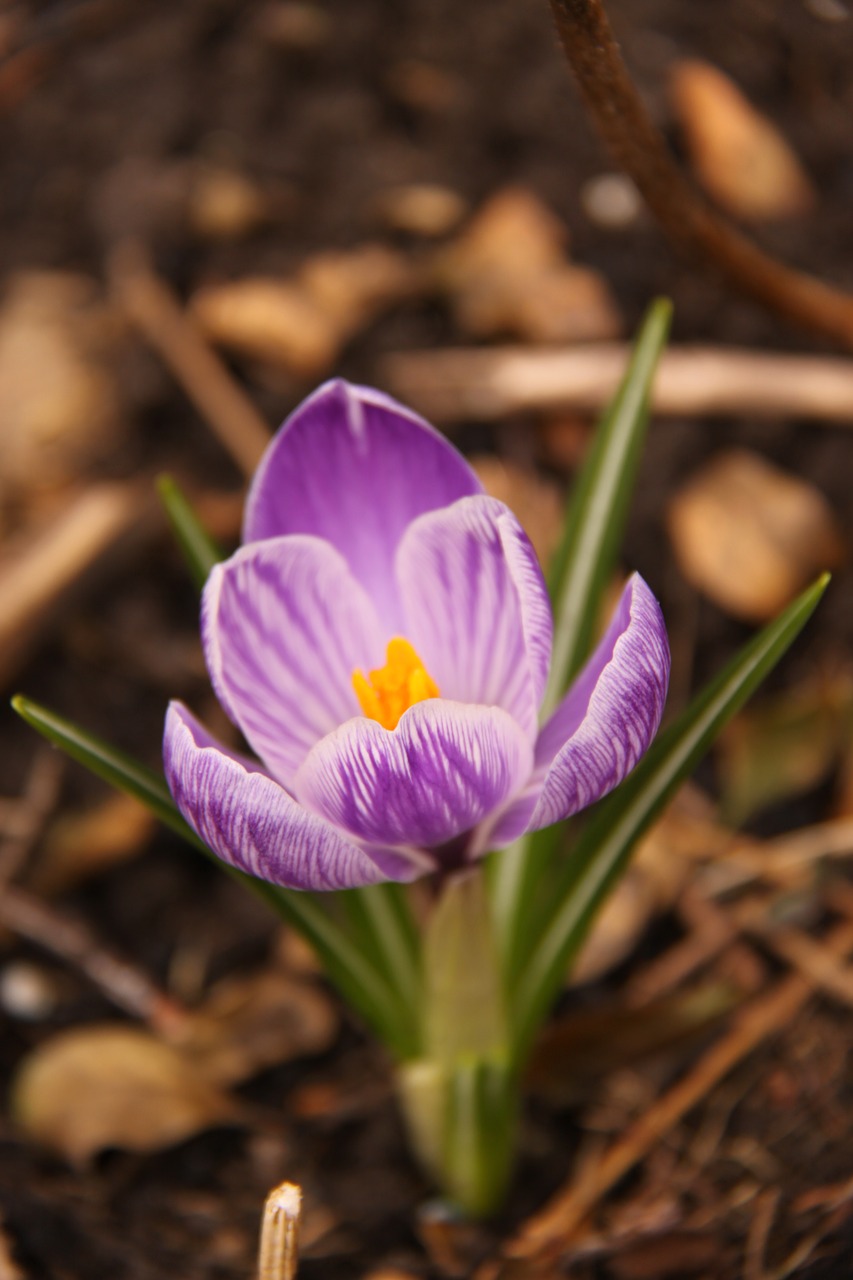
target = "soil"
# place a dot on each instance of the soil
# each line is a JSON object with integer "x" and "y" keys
{"x": 103, "y": 106}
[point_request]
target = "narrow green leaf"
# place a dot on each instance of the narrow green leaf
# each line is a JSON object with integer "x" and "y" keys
{"x": 383, "y": 926}
{"x": 200, "y": 550}
{"x": 598, "y": 508}
{"x": 364, "y": 986}
{"x": 116, "y": 767}
{"x": 582, "y": 569}
{"x": 603, "y": 849}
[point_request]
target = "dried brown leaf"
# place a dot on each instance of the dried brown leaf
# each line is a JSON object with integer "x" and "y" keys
{"x": 783, "y": 746}
{"x": 225, "y": 204}
{"x": 59, "y": 403}
{"x": 268, "y": 320}
{"x": 751, "y": 536}
{"x": 508, "y": 273}
{"x": 81, "y": 844}
{"x": 740, "y": 157}
{"x": 421, "y": 209}
{"x": 302, "y": 324}
{"x": 247, "y": 1024}
{"x": 108, "y": 1085}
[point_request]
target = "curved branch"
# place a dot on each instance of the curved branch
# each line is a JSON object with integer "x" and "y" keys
{"x": 639, "y": 149}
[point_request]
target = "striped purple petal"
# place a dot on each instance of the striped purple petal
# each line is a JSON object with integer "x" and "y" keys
{"x": 476, "y": 606}
{"x": 610, "y": 714}
{"x": 284, "y": 625}
{"x": 251, "y": 822}
{"x": 354, "y": 467}
{"x": 430, "y": 780}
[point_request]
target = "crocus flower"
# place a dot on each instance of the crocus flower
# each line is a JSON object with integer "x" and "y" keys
{"x": 382, "y": 639}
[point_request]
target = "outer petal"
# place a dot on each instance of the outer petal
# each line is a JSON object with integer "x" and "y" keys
{"x": 611, "y": 713}
{"x": 284, "y": 625}
{"x": 477, "y": 607}
{"x": 353, "y": 466}
{"x": 440, "y": 772}
{"x": 251, "y": 822}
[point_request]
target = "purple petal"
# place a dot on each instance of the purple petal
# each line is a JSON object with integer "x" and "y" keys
{"x": 610, "y": 714}
{"x": 354, "y": 467}
{"x": 476, "y": 606}
{"x": 251, "y": 822}
{"x": 284, "y": 625}
{"x": 441, "y": 771}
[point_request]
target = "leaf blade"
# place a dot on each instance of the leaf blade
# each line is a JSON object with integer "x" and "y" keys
{"x": 606, "y": 843}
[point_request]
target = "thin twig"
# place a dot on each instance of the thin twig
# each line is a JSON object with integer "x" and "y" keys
{"x": 30, "y": 814}
{"x": 278, "y": 1253}
{"x": 125, "y": 985}
{"x": 815, "y": 961}
{"x": 496, "y": 382}
{"x": 759, "y": 1233}
{"x": 545, "y": 1236}
{"x": 157, "y": 313}
{"x": 92, "y": 528}
{"x": 639, "y": 149}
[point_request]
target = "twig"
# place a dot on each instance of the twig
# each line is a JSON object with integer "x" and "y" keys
{"x": 815, "y": 961}
{"x": 30, "y": 813}
{"x": 122, "y": 983}
{"x": 278, "y": 1253}
{"x": 156, "y": 312}
{"x": 759, "y": 1232}
{"x": 545, "y": 1236}
{"x": 35, "y": 574}
{"x": 496, "y": 382}
{"x": 639, "y": 148}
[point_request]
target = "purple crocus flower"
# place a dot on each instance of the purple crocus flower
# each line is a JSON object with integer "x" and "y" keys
{"x": 382, "y": 639}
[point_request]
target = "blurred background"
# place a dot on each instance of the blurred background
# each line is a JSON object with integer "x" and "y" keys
{"x": 207, "y": 208}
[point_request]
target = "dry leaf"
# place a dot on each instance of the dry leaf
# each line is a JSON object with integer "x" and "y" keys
{"x": 783, "y": 746}
{"x": 224, "y": 204}
{"x": 59, "y": 403}
{"x": 36, "y": 571}
{"x": 513, "y": 234}
{"x": 293, "y": 25}
{"x": 248, "y": 1024}
{"x": 751, "y": 536}
{"x": 577, "y": 1050}
{"x": 740, "y": 157}
{"x": 82, "y": 844}
{"x": 9, "y": 1269}
{"x": 303, "y": 323}
{"x": 538, "y": 503}
{"x": 353, "y": 287}
{"x": 268, "y": 320}
{"x": 422, "y": 209}
{"x": 110, "y": 1085}
{"x": 508, "y": 273}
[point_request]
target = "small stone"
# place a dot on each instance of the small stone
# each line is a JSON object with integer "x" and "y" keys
{"x": 611, "y": 200}
{"x": 27, "y": 992}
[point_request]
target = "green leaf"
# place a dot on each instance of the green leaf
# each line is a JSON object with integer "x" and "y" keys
{"x": 598, "y": 508}
{"x": 582, "y": 569}
{"x": 363, "y": 985}
{"x": 115, "y": 767}
{"x": 603, "y": 849}
{"x": 200, "y": 551}
{"x": 382, "y": 923}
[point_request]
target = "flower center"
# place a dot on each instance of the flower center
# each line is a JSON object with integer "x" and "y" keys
{"x": 390, "y": 690}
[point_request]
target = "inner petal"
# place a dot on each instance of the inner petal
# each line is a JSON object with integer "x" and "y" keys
{"x": 390, "y": 690}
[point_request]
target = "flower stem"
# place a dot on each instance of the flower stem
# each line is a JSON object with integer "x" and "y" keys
{"x": 460, "y": 1098}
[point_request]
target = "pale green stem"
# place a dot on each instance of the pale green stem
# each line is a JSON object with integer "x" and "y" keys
{"x": 459, "y": 1099}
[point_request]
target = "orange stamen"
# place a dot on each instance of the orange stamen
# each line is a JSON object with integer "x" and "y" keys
{"x": 390, "y": 690}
